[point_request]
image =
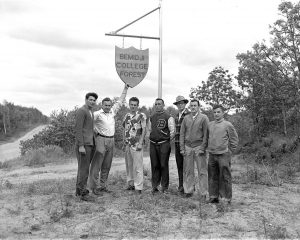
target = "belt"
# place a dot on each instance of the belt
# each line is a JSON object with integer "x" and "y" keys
{"x": 98, "y": 134}
{"x": 158, "y": 143}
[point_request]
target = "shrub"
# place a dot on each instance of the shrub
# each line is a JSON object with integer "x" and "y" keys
{"x": 60, "y": 132}
{"x": 4, "y": 165}
{"x": 43, "y": 155}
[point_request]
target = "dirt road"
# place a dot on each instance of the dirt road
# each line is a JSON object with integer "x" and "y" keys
{"x": 12, "y": 150}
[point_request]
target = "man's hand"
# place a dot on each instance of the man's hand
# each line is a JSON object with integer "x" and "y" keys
{"x": 127, "y": 86}
{"x": 182, "y": 153}
{"x": 200, "y": 152}
{"x": 82, "y": 150}
{"x": 139, "y": 147}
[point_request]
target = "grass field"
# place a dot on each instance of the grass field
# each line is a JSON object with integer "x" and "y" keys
{"x": 46, "y": 208}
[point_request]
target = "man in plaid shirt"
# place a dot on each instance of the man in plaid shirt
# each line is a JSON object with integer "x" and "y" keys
{"x": 134, "y": 124}
{"x": 182, "y": 112}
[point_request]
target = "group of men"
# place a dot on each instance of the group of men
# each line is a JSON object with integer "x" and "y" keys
{"x": 194, "y": 137}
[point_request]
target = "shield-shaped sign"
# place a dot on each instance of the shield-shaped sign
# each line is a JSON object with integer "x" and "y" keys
{"x": 131, "y": 64}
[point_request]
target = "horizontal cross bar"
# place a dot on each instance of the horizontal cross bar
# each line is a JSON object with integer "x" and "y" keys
{"x": 132, "y": 36}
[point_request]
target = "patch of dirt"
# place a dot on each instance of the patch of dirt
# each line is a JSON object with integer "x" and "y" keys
{"x": 12, "y": 150}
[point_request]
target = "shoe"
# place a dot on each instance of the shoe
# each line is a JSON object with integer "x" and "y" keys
{"x": 104, "y": 189}
{"x": 80, "y": 192}
{"x": 213, "y": 200}
{"x": 180, "y": 189}
{"x": 227, "y": 201}
{"x": 165, "y": 191}
{"x": 138, "y": 192}
{"x": 154, "y": 190}
{"x": 97, "y": 191}
{"x": 204, "y": 198}
{"x": 188, "y": 195}
{"x": 130, "y": 187}
{"x": 87, "y": 198}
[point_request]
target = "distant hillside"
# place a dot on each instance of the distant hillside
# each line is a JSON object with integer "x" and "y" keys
{"x": 15, "y": 119}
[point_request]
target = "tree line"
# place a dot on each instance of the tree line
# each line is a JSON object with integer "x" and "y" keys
{"x": 266, "y": 88}
{"x": 14, "y": 118}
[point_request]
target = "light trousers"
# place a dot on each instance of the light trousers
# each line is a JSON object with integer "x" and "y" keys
{"x": 192, "y": 155}
{"x": 134, "y": 167}
{"x": 101, "y": 162}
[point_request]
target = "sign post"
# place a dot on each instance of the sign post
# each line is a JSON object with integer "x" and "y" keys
{"x": 115, "y": 33}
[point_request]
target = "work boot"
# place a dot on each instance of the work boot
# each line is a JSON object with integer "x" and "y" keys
{"x": 87, "y": 198}
{"x": 213, "y": 200}
{"x": 97, "y": 192}
{"x": 130, "y": 187}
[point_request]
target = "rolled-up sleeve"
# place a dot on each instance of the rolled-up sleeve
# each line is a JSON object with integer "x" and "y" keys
{"x": 171, "y": 126}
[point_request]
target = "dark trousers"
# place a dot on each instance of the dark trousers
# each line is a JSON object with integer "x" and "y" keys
{"x": 219, "y": 175}
{"x": 84, "y": 161}
{"x": 159, "y": 157}
{"x": 179, "y": 163}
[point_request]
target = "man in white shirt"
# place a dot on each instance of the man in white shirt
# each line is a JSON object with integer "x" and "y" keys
{"x": 104, "y": 127}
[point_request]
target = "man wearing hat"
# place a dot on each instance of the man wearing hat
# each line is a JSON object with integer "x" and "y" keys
{"x": 182, "y": 112}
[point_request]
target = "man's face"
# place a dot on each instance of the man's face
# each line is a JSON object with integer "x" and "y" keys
{"x": 106, "y": 106}
{"x": 90, "y": 102}
{"x": 180, "y": 106}
{"x": 218, "y": 114}
{"x": 194, "y": 107}
{"x": 133, "y": 105}
{"x": 159, "y": 106}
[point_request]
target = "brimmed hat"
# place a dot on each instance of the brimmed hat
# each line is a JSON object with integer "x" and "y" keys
{"x": 180, "y": 99}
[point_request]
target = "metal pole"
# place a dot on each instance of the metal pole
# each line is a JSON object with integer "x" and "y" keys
{"x": 160, "y": 52}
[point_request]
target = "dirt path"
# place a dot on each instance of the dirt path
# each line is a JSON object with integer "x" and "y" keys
{"x": 54, "y": 171}
{"x": 12, "y": 150}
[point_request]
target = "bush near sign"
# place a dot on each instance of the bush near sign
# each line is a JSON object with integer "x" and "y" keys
{"x": 131, "y": 64}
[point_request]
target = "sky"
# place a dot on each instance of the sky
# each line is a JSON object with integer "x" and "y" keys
{"x": 52, "y": 52}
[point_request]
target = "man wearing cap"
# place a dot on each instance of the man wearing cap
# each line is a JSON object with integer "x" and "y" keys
{"x": 182, "y": 112}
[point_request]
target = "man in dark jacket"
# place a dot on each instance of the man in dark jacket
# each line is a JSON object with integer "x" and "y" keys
{"x": 162, "y": 129}
{"x": 85, "y": 142}
{"x": 182, "y": 112}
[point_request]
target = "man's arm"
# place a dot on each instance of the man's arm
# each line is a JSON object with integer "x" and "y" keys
{"x": 171, "y": 126}
{"x": 148, "y": 129}
{"x": 80, "y": 117}
{"x": 120, "y": 102}
{"x": 141, "y": 140}
{"x": 233, "y": 138}
{"x": 182, "y": 137}
{"x": 203, "y": 146}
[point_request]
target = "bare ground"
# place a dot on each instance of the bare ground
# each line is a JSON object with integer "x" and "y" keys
{"x": 39, "y": 203}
